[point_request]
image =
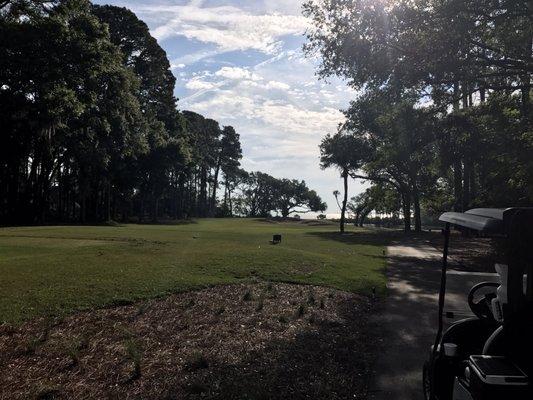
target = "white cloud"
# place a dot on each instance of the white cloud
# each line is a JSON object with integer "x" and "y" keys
{"x": 198, "y": 84}
{"x": 294, "y": 122}
{"x": 227, "y": 27}
{"x": 237, "y": 73}
{"x": 278, "y": 85}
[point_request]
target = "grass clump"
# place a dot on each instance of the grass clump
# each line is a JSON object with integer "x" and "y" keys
{"x": 74, "y": 347}
{"x": 247, "y": 295}
{"x": 322, "y": 303}
{"x": 134, "y": 354}
{"x": 32, "y": 345}
{"x": 300, "y": 312}
{"x": 311, "y": 300}
{"x": 142, "y": 309}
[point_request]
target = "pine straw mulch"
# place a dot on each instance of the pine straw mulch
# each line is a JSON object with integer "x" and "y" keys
{"x": 469, "y": 253}
{"x": 246, "y": 341}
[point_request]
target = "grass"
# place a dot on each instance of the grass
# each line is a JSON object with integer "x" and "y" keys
{"x": 55, "y": 270}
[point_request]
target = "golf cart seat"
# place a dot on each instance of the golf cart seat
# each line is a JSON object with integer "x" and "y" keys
{"x": 490, "y": 356}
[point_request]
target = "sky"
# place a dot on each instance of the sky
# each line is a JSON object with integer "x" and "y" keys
{"x": 241, "y": 63}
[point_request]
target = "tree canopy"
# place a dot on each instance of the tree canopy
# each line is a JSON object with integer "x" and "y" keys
{"x": 444, "y": 97}
{"x": 91, "y": 130}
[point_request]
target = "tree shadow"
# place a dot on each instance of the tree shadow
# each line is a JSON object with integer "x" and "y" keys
{"x": 168, "y": 222}
{"x": 377, "y": 237}
{"x": 330, "y": 360}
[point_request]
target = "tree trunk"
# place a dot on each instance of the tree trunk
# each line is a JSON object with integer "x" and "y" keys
{"x": 155, "y": 208}
{"x": 141, "y": 209}
{"x": 83, "y": 207}
{"x": 230, "y": 203}
{"x": 466, "y": 184}
{"x": 526, "y": 81}
{"x": 108, "y": 202}
{"x": 364, "y": 214}
{"x": 344, "y": 199}
{"x": 406, "y": 208}
{"x": 457, "y": 184}
{"x": 203, "y": 192}
{"x": 215, "y": 187}
{"x": 416, "y": 204}
{"x": 473, "y": 184}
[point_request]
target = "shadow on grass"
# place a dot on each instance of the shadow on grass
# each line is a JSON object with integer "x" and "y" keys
{"x": 167, "y": 222}
{"x": 374, "y": 237}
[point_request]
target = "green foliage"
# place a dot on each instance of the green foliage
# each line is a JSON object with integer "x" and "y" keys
{"x": 444, "y": 98}
{"x": 429, "y": 42}
{"x": 262, "y": 195}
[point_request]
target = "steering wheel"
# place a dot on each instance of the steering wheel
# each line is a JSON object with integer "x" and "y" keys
{"x": 482, "y": 308}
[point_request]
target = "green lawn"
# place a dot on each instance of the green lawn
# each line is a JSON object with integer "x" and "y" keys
{"x": 54, "y": 270}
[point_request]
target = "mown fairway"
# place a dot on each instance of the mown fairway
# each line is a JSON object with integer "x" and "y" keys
{"x": 58, "y": 269}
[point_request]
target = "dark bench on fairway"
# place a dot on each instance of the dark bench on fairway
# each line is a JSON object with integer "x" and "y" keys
{"x": 275, "y": 239}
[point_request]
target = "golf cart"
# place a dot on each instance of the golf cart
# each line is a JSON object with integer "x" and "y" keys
{"x": 489, "y": 356}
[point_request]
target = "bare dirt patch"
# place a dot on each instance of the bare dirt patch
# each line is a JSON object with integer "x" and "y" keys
{"x": 249, "y": 341}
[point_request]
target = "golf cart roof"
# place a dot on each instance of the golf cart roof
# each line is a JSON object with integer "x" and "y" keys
{"x": 483, "y": 220}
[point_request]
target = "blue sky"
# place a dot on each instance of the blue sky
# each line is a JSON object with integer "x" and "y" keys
{"x": 240, "y": 62}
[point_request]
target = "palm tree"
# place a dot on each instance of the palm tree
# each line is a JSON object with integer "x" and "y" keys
{"x": 345, "y": 152}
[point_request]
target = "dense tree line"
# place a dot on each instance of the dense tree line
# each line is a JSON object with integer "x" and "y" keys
{"x": 90, "y": 129}
{"x": 444, "y": 114}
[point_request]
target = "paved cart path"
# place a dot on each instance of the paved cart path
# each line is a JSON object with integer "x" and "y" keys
{"x": 408, "y": 320}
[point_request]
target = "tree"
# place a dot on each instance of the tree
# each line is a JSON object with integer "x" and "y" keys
{"x": 482, "y": 43}
{"x": 205, "y": 140}
{"x": 401, "y": 137}
{"x": 346, "y": 152}
{"x": 380, "y": 197}
{"x": 169, "y": 153}
{"x": 262, "y": 195}
{"x": 294, "y": 196}
{"x": 56, "y": 98}
{"x": 229, "y": 153}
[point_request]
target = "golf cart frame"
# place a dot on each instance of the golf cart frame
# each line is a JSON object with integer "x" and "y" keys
{"x": 489, "y": 356}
